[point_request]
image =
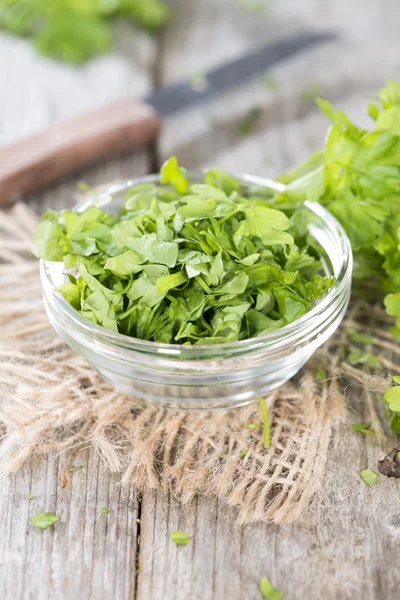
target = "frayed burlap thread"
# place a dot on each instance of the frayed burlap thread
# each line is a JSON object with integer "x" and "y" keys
{"x": 52, "y": 401}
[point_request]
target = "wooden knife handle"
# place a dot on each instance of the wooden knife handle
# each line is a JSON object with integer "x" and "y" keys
{"x": 32, "y": 163}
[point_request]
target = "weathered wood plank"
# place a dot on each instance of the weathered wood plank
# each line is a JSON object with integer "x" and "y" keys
{"x": 86, "y": 554}
{"x": 344, "y": 549}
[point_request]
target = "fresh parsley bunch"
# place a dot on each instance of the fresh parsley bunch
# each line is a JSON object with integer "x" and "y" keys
{"x": 357, "y": 177}
{"x": 190, "y": 264}
{"x": 75, "y": 30}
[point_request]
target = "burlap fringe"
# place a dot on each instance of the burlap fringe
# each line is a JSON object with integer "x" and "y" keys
{"x": 53, "y": 402}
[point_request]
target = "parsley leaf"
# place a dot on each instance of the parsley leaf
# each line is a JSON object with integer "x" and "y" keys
{"x": 269, "y": 591}
{"x": 43, "y": 520}
{"x": 265, "y": 418}
{"x": 180, "y": 538}
{"x": 358, "y": 337}
{"x": 369, "y": 476}
{"x": 363, "y": 427}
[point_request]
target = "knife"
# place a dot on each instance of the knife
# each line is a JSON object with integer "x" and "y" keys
{"x": 32, "y": 163}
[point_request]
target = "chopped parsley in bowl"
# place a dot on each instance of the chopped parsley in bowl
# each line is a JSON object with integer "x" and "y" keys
{"x": 206, "y": 263}
{"x": 194, "y": 270}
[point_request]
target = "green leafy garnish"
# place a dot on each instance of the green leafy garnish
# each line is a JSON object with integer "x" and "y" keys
{"x": 252, "y": 426}
{"x": 269, "y": 591}
{"x": 248, "y": 124}
{"x": 30, "y": 497}
{"x": 369, "y": 476}
{"x": 206, "y": 263}
{"x": 180, "y": 538}
{"x": 73, "y": 30}
{"x": 357, "y": 178}
{"x": 43, "y": 520}
{"x": 75, "y": 468}
{"x": 363, "y": 427}
{"x": 105, "y": 511}
{"x": 364, "y": 358}
{"x": 359, "y": 338}
{"x": 320, "y": 374}
{"x": 392, "y": 397}
{"x": 265, "y": 418}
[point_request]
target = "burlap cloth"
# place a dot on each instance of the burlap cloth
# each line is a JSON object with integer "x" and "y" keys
{"x": 52, "y": 401}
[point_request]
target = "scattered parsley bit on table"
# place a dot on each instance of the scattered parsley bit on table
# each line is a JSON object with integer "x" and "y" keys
{"x": 358, "y": 337}
{"x": 180, "y": 538}
{"x": 265, "y": 418}
{"x": 75, "y": 468}
{"x": 43, "y": 520}
{"x": 369, "y": 476}
{"x": 203, "y": 263}
{"x": 364, "y": 358}
{"x": 320, "y": 374}
{"x": 252, "y": 426}
{"x": 363, "y": 427}
{"x": 269, "y": 591}
{"x": 30, "y": 497}
{"x": 105, "y": 511}
{"x": 392, "y": 398}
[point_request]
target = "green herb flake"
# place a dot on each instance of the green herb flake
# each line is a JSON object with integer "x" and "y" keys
{"x": 199, "y": 263}
{"x": 392, "y": 397}
{"x": 248, "y": 124}
{"x": 364, "y": 358}
{"x": 270, "y": 81}
{"x": 363, "y": 428}
{"x": 311, "y": 90}
{"x": 243, "y": 453}
{"x": 105, "y": 511}
{"x": 252, "y": 426}
{"x": 369, "y": 476}
{"x": 320, "y": 374}
{"x": 265, "y": 418}
{"x": 75, "y": 468}
{"x": 359, "y": 338}
{"x": 180, "y": 538}
{"x": 253, "y": 6}
{"x": 269, "y": 591}
{"x": 43, "y": 520}
{"x": 199, "y": 81}
{"x": 30, "y": 497}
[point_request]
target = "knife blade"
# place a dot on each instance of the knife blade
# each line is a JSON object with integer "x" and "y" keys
{"x": 33, "y": 163}
{"x": 183, "y": 94}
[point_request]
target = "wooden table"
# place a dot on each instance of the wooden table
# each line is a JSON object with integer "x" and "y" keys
{"x": 347, "y": 547}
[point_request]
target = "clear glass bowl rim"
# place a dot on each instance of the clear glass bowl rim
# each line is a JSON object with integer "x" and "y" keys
{"x": 283, "y": 336}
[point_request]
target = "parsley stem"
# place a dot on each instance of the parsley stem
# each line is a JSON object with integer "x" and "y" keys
{"x": 265, "y": 418}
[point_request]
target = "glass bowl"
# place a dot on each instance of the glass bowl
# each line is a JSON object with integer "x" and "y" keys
{"x": 223, "y": 375}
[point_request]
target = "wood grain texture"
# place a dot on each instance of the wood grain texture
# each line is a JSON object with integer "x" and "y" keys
{"x": 87, "y": 554}
{"x": 346, "y": 548}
